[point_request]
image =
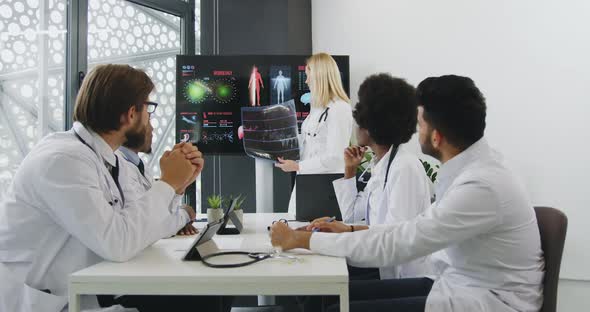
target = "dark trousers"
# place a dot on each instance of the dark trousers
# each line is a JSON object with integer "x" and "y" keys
{"x": 356, "y": 273}
{"x": 319, "y": 303}
{"x": 408, "y": 295}
{"x": 169, "y": 303}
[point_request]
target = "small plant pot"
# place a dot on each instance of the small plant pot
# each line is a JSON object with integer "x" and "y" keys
{"x": 240, "y": 214}
{"x": 214, "y": 214}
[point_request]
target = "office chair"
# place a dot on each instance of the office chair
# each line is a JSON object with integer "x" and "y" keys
{"x": 552, "y": 227}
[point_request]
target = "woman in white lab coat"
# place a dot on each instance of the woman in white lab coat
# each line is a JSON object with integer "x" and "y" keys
{"x": 326, "y": 131}
{"x": 398, "y": 189}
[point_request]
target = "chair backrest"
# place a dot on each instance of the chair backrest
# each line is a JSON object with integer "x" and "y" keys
{"x": 552, "y": 227}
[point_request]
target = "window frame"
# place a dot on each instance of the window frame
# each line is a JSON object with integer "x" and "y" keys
{"x": 77, "y": 42}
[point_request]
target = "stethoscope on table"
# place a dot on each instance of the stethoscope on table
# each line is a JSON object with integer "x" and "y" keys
{"x": 254, "y": 256}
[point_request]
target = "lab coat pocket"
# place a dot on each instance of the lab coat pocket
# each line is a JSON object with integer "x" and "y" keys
{"x": 16, "y": 296}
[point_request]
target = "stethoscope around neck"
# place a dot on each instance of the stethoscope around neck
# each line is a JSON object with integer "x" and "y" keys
{"x": 114, "y": 175}
{"x": 323, "y": 116}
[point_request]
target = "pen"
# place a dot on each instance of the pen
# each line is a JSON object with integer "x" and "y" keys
{"x": 327, "y": 221}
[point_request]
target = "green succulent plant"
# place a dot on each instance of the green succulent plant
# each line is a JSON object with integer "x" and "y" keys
{"x": 215, "y": 201}
{"x": 239, "y": 201}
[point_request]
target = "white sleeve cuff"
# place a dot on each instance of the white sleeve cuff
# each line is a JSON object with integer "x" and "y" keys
{"x": 325, "y": 244}
{"x": 345, "y": 184}
{"x": 176, "y": 202}
{"x": 184, "y": 216}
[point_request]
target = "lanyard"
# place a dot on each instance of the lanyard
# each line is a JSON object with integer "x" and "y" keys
{"x": 114, "y": 171}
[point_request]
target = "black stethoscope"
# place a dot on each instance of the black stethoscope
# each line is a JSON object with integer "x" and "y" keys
{"x": 254, "y": 256}
{"x": 114, "y": 174}
{"x": 323, "y": 116}
{"x": 389, "y": 162}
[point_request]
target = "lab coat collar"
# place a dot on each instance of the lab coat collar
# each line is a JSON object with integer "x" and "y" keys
{"x": 130, "y": 155}
{"x": 321, "y": 109}
{"x": 453, "y": 167}
{"x": 378, "y": 166}
{"x": 98, "y": 144}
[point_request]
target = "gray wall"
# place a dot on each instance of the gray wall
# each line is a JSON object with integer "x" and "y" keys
{"x": 231, "y": 27}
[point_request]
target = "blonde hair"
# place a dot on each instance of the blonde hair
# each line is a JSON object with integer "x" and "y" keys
{"x": 325, "y": 80}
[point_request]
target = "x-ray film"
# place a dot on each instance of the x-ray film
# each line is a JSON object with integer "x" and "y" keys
{"x": 271, "y": 131}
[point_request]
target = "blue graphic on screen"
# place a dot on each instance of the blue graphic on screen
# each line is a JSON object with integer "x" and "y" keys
{"x": 280, "y": 80}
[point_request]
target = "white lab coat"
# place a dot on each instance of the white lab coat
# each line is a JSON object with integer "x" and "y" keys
{"x": 322, "y": 143}
{"x": 406, "y": 195}
{"x": 57, "y": 219}
{"x": 486, "y": 225}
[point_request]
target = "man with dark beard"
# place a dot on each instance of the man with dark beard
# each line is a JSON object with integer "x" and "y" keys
{"x": 482, "y": 219}
{"x": 140, "y": 179}
{"x": 66, "y": 209}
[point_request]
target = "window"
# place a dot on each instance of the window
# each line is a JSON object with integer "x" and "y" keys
{"x": 32, "y": 75}
{"x": 126, "y": 33}
{"x": 33, "y": 44}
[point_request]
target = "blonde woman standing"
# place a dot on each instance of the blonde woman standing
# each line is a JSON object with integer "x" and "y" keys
{"x": 326, "y": 131}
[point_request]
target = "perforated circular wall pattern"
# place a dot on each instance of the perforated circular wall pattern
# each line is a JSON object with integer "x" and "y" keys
{"x": 23, "y": 43}
{"x": 122, "y": 32}
{"x": 32, "y": 54}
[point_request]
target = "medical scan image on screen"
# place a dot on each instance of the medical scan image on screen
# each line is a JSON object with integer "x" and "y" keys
{"x": 270, "y": 131}
{"x": 212, "y": 90}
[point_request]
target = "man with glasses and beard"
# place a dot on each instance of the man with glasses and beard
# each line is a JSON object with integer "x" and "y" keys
{"x": 66, "y": 209}
{"x": 140, "y": 178}
{"x": 482, "y": 219}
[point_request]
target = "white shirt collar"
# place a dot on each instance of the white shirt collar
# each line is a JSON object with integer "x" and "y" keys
{"x": 454, "y": 166}
{"x": 130, "y": 155}
{"x": 96, "y": 142}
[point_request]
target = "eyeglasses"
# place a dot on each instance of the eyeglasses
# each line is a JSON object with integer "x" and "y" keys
{"x": 281, "y": 220}
{"x": 151, "y": 107}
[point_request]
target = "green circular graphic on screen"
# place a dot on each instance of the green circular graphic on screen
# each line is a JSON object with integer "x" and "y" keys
{"x": 224, "y": 91}
{"x": 196, "y": 91}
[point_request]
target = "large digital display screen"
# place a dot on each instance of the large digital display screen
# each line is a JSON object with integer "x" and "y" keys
{"x": 211, "y": 91}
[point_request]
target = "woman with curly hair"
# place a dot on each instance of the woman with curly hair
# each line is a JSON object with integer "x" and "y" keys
{"x": 398, "y": 189}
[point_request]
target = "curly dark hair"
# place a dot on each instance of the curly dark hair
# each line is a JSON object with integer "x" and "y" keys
{"x": 387, "y": 108}
{"x": 455, "y": 107}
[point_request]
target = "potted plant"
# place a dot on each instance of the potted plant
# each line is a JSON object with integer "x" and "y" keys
{"x": 238, "y": 207}
{"x": 214, "y": 210}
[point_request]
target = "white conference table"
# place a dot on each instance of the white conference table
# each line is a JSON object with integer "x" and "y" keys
{"x": 159, "y": 270}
